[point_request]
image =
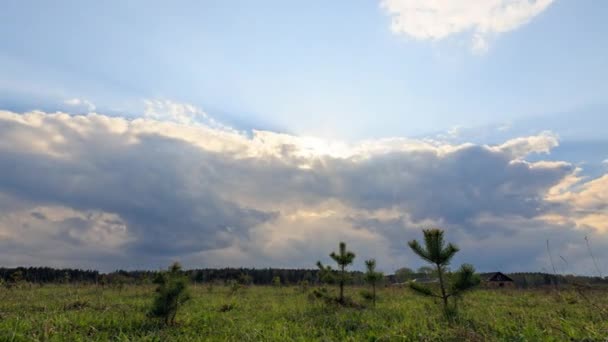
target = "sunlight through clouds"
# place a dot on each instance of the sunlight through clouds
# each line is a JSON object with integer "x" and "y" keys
{"x": 155, "y": 189}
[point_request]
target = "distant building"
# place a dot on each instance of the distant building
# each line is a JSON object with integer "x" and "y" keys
{"x": 425, "y": 280}
{"x": 417, "y": 280}
{"x": 500, "y": 279}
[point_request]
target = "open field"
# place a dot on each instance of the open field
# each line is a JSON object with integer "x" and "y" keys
{"x": 82, "y": 312}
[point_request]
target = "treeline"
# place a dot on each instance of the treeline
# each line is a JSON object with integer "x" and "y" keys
{"x": 253, "y": 276}
{"x": 246, "y": 276}
{"x": 41, "y": 275}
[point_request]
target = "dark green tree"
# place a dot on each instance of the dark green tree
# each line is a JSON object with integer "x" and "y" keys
{"x": 403, "y": 274}
{"x": 372, "y": 277}
{"x": 426, "y": 271}
{"x": 436, "y": 252}
{"x": 171, "y": 293}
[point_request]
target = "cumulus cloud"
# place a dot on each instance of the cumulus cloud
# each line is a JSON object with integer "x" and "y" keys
{"x": 436, "y": 20}
{"x": 110, "y": 192}
{"x": 523, "y": 146}
{"x": 586, "y": 203}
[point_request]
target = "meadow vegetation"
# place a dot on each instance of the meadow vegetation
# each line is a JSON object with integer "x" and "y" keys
{"x": 173, "y": 306}
{"x": 68, "y": 312}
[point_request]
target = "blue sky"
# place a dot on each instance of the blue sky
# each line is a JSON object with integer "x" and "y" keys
{"x": 364, "y": 78}
{"x": 331, "y": 69}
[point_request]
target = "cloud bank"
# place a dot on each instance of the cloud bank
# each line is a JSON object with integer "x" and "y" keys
{"x": 439, "y": 19}
{"x": 108, "y": 192}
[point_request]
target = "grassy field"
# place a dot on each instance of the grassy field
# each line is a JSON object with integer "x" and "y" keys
{"x": 90, "y": 313}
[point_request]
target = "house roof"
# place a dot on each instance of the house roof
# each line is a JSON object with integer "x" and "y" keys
{"x": 425, "y": 280}
{"x": 499, "y": 276}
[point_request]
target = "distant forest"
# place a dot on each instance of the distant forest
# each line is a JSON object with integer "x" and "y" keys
{"x": 249, "y": 276}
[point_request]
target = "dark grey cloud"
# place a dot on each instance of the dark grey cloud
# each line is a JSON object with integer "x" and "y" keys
{"x": 141, "y": 193}
{"x": 167, "y": 211}
{"x": 454, "y": 188}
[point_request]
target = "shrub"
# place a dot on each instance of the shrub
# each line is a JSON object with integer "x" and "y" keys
{"x": 245, "y": 279}
{"x": 303, "y": 285}
{"x": 233, "y": 287}
{"x": 76, "y": 305}
{"x": 367, "y": 295}
{"x": 227, "y": 307}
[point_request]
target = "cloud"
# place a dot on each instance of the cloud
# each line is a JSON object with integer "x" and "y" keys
{"x": 523, "y": 146}
{"x": 99, "y": 191}
{"x": 483, "y": 19}
{"x": 585, "y": 203}
{"x": 80, "y": 104}
{"x": 181, "y": 113}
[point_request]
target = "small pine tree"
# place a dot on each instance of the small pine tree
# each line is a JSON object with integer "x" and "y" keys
{"x": 103, "y": 280}
{"x": 438, "y": 254}
{"x": 171, "y": 293}
{"x": 303, "y": 285}
{"x": 326, "y": 274}
{"x": 16, "y": 279}
{"x": 245, "y": 279}
{"x": 372, "y": 277}
{"x": 233, "y": 287}
{"x": 343, "y": 258}
{"x": 276, "y": 281}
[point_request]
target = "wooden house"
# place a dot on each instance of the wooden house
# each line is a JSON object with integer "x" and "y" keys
{"x": 499, "y": 280}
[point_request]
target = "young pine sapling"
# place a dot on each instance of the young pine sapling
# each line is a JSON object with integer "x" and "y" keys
{"x": 343, "y": 258}
{"x": 372, "y": 277}
{"x": 171, "y": 293}
{"x": 437, "y": 253}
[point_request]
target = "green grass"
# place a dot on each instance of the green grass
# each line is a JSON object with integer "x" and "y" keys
{"x": 90, "y": 313}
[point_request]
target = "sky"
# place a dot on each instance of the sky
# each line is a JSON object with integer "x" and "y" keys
{"x": 262, "y": 133}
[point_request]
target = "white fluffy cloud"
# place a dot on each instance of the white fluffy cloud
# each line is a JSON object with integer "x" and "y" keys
{"x": 438, "y": 19}
{"x": 82, "y": 104}
{"x": 181, "y": 113}
{"x": 586, "y": 202}
{"x": 99, "y": 191}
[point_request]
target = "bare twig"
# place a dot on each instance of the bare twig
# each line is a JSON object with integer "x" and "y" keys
{"x": 552, "y": 265}
{"x": 599, "y": 272}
